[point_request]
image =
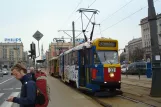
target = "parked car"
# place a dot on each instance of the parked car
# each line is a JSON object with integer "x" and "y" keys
{"x": 5, "y": 71}
{"x": 124, "y": 68}
{"x": 1, "y": 73}
{"x": 136, "y": 68}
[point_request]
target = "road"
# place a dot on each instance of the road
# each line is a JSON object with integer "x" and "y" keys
{"x": 9, "y": 86}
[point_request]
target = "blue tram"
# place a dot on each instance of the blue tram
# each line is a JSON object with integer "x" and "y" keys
{"x": 92, "y": 66}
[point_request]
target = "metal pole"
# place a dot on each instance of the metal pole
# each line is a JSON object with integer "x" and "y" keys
{"x": 156, "y": 65}
{"x": 73, "y": 34}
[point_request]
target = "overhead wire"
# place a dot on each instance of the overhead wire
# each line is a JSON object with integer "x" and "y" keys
{"x": 126, "y": 17}
{"x": 72, "y": 13}
{"x": 116, "y": 11}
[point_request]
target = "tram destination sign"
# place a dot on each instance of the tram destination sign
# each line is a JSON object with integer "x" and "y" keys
{"x": 107, "y": 44}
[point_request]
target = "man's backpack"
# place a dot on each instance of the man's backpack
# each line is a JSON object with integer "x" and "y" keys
{"x": 41, "y": 83}
{"x": 40, "y": 98}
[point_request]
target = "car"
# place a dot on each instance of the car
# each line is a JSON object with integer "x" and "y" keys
{"x": 5, "y": 71}
{"x": 124, "y": 68}
{"x": 137, "y": 68}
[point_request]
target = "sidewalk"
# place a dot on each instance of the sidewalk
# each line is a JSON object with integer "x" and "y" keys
{"x": 139, "y": 89}
{"x": 134, "y": 80}
{"x": 64, "y": 96}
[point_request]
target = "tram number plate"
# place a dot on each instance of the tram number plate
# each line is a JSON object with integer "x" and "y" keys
{"x": 111, "y": 69}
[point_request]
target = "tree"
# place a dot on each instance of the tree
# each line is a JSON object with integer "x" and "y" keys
{"x": 137, "y": 54}
{"x": 122, "y": 57}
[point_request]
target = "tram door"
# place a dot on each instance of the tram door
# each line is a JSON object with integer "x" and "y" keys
{"x": 88, "y": 63}
{"x": 82, "y": 75}
{"x": 62, "y": 65}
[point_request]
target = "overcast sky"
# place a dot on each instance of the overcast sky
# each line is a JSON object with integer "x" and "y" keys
{"x": 22, "y": 18}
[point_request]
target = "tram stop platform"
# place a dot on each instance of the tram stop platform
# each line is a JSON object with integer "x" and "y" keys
{"x": 63, "y": 95}
{"x": 139, "y": 89}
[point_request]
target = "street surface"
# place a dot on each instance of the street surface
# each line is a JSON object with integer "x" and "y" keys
{"x": 63, "y": 95}
{"x": 9, "y": 86}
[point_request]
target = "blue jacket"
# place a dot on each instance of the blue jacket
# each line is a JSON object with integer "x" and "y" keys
{"x": 28, "y": 93}
{"x": 32, "y": 76}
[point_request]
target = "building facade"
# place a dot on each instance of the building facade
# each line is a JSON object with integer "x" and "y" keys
{"x": 127, "y": 53}
{"x": 10, "y": 53}
{"x": 132, "y": 46}
{"x": 146, "y": 39}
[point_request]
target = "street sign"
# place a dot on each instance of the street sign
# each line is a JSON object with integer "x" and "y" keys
{"x": 38, "y": 35}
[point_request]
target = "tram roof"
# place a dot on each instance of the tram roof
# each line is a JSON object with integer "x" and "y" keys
{"x": 53, "y": 58}
{"x": 87, "y": 44}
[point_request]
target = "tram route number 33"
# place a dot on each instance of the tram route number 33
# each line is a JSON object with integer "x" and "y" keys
{"x": 111, "y": 69}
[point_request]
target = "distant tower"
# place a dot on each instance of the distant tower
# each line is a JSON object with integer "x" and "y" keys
{"x": 42, "y": 52}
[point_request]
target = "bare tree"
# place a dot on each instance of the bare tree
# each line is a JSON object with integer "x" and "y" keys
{"x": 137, "y": 54}
{"x": 122, "y": 57}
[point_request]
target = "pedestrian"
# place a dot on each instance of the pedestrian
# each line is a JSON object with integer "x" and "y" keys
{"x": 43, "y": 86}
{"x": 28, "y": 89}
{"x": 31, "y": 74}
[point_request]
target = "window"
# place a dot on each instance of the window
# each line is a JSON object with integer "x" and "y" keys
{"x": 110, "y": 57}
{"x": 70, "y": 58}
{"x": 74, "y": 58}
{"x": 96, "y": 58}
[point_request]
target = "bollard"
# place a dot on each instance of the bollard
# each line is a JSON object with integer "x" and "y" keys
{"x": 149, "y": 70}
{"x": 139, "y": 73}
{"x": 126, "y": 73}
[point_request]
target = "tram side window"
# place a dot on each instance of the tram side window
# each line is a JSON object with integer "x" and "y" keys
{"x": 66, "y": 59}
{"x": 75, "y": 58}
{"x": 96, "y": 58}
{"x": 69, "y": 58}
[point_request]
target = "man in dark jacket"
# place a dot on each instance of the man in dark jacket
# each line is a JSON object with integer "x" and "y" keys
{"x": 28, "y": 89}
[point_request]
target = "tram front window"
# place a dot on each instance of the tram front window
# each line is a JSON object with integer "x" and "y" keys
{"x": 109, "y": 57}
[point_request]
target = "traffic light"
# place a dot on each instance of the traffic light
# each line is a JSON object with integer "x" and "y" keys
{"x": 32, "y": 50}
{"x": 30, "y": 54}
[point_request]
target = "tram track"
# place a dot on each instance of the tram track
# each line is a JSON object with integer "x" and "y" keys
{"x": 135, "y": 85}
{"x": 120, "y": 101}
{"x": 116, "y": 101}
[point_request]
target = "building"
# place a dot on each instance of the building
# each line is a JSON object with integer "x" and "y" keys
{"x": 146, "y": 39}
{"x": 10, "y": 53}
{"x": 25, "y": 58}
{"x": 132, "y": 46}
{"x": 59, "y": 47}
{"x": 127, "y": 53}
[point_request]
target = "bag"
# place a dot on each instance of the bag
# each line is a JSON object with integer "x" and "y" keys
{"x": 40, "y": 98}
{"x": 43, "y": 89}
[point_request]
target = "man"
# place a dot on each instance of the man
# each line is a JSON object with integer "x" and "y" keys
{"x": 31, "y": 74}
{"x": 28, "y": 88}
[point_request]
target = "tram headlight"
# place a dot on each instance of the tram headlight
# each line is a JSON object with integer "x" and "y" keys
{"x": 112, "y": 75}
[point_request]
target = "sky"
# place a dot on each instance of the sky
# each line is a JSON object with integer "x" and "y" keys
{"x": 22, "y": 18}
